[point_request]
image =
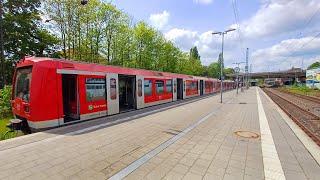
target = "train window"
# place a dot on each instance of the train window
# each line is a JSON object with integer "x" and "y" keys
{"x": 209, "y": 85}
{"x": 95, "y": 89}
{"x": 169, "y": 86}
{"x": 113, "y": 88}
{"x": 195, "y": 85}
{"x": 188, "y": 85}
{"x": 159, "y": 86}
{"x": 147, "y": 87}
{"x": 22, "y": 84}
{"x": 192, "y": 85}
{"x": 139, "y": 87}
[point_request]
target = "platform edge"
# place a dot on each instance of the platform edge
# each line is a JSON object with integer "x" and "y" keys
{"x": 308, "y": 143}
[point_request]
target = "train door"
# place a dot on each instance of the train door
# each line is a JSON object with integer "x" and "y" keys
{"x": 174, "y": 92}
{"x": 127, "y": 91}
{"x": 140, "y": 91}
{"x": 112, "y": 93}
{"x": 201, "y": 87}
{"x": 184, "y": 89}
{"x": 70, "y": 97}
{"x": 179, "y": 88}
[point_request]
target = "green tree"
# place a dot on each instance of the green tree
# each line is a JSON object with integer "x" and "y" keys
{"x": 193, "y": 64}
{"x": 194, "y": 54}
{"x": 227, "y": 71}
{"x": 23, "y": 33}
{"x": 314, "y": 65}
{"x": 5, "y": 105}
{"x": 214, "y": 70}
{"x": 99, "y": 32}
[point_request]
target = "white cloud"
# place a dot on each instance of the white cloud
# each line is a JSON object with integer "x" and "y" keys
{"x": 209, "y": 46}
{"x": 203, "y": 1}
{"x": 276, "y": 22}
{"x": 287, "y": 53}
{"x": 160, "y": 20}
{"x": 277, "y": 17}
{"x": 183, "y": 38}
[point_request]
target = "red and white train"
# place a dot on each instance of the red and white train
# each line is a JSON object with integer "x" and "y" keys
{"x": 51, "y": 92}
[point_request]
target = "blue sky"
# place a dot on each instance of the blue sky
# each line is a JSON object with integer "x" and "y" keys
{"x": 279, "y": 33}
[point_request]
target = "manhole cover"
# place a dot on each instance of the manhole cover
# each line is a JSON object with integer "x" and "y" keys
{"x": 247, "y": 134}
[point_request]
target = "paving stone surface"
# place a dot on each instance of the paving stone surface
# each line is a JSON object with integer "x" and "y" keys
{"x": 296, "y": 161}
{"x": 211, "y": 150}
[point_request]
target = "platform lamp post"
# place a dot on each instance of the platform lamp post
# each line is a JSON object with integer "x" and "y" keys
{"x": 221, "y": 60}
{"x": 237, "y": 71}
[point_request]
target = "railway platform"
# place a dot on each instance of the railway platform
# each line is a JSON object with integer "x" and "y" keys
{"x": 246, "y": 137}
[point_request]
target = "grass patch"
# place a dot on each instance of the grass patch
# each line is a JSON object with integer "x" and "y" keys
{"x": 3, "y": 123}
{"x": 4, "y": 129}
{"x": 304, "y": 90}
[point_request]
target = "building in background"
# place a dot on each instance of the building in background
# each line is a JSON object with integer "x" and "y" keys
{"x": 313, "y": 78}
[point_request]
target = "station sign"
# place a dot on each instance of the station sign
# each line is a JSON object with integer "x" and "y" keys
{"x": 237, "y": 69}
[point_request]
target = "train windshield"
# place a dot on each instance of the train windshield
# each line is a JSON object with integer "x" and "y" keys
{"x": 22, "y": 83}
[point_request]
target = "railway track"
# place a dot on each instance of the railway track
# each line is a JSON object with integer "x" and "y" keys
{"x": 309, "y": 98}
{"x": 306, "y": 103}
{"x": 307, "y": 121}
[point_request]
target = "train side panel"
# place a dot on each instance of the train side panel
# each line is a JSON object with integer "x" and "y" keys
{"x": 191, "y": 87}
{"x": 96, "y": 92}
{"x": 157, "y": 91}
{"x": 92, "y": 96}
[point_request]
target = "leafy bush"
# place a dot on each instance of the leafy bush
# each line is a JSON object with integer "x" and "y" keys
{"x": 5, "y": 105}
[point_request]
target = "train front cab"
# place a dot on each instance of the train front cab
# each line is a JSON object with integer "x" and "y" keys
{"x": 35, "y": 94}
{"x": 21, "y": 93}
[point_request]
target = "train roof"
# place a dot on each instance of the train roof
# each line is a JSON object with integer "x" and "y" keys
{"x": 93, "y": 67}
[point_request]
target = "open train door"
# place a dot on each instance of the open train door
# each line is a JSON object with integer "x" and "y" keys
{"x": 200, "y": 90}
{"x": 184, "y": 89}
{"x": 179, "y": 88}
{"x": 140, "y": 92}
{"x": 70, "y": 97}
{"x": 174, "y": 95}
{"x": 112, "y": 93}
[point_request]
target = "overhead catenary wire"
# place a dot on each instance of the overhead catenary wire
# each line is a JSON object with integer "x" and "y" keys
{"x": 236, "y": 18}
{"x": 302, "y": 46}
{"x": 311, "y": 18}
{"x": 293, "y": 47}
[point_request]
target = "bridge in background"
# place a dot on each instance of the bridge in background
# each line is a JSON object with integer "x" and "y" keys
{"x": 291, "y": 73}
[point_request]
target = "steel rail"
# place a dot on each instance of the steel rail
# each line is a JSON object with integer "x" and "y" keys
{"x": 307, "y": 110}
{"x": 297, "y": 120}
{"x": 306, "y": 97}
